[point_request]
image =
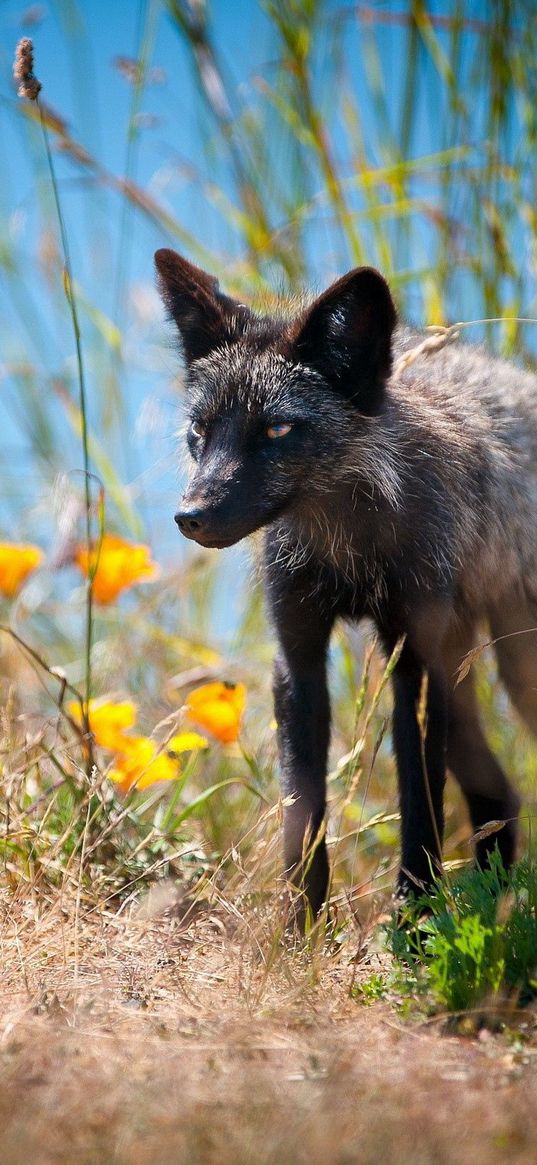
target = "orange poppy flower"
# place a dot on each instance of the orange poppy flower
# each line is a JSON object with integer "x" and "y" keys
{"x": 16, "y": 563}
{"x": 217, "y": 707}
{"x": 120, "y": 565}
{"x": 108, "y": 722}
{"x": 141, "y": 764}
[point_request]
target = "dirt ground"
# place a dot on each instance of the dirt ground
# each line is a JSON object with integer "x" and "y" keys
{"x": 130, "y": 1040}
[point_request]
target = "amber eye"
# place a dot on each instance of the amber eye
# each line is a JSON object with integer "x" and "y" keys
{"x": 279, "y": 430}
{"x": 197, "y": 429}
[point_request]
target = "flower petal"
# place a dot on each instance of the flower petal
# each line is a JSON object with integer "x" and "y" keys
{"x": 115, "y": 565}
{"x": 187, "y": 742}
{"x": 108, "y": 721}
{"x": 141, "y": 765}
{"x": 17, "y": 561}
{"x": 217, "y": 707}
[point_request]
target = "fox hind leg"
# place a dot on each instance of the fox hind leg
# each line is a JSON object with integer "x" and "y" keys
{"x": 489, "y": 794}
{"x": 514, "y": 629}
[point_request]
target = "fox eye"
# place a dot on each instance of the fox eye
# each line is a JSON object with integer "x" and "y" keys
{"x": 280, "y": 429}
{"x": 197, "y": 429}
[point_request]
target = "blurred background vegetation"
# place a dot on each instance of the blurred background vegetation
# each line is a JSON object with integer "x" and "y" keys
{"x": 277, "y": 144}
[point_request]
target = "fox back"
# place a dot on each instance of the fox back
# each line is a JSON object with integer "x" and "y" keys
{"x": 409, "y": 498}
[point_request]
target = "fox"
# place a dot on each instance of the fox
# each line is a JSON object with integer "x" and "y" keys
{"x": 405, "y": 498}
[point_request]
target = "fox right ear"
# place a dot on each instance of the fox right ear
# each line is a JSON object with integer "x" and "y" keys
{"x": 347, "y": 336}
{"x": 204, "y": 316}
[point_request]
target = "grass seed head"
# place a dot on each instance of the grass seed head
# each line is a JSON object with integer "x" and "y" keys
{"x": 23, "y": 70}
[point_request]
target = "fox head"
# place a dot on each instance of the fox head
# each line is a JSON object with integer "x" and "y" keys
{"x": 272, "y": 401}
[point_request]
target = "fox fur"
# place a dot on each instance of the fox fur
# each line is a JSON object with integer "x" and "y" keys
{"x": 410, "y": 500}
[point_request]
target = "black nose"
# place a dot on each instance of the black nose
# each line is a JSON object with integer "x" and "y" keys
{"x": 190, "y": 522}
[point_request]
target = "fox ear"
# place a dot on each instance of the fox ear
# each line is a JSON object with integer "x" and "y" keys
{"x": 204, "y": 316}
{"x": 347, "y": 336}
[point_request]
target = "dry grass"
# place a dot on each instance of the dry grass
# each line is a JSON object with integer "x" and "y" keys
{"x": 160, "y": 1037}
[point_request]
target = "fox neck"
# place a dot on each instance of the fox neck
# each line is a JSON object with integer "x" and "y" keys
{"x": 373, "y": 527}
{"x": 346, "y": 529}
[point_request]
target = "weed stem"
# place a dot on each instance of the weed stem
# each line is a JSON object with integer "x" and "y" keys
{"x": 71, "y": 299}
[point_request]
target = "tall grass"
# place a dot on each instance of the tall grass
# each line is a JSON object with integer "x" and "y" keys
{"x": 398, "y": 137}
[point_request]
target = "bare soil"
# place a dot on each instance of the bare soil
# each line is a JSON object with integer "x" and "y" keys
{"x": 162, "y": 1040}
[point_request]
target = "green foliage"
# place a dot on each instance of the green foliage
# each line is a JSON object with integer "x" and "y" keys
{"x": 371, "y": 989}
{"x": 473, "y": 939}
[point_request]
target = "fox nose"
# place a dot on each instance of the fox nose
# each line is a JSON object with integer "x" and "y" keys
{"x": 190, "y": 522}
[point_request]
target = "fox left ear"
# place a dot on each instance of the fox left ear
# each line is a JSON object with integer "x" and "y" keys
{"x": 347, "y": 336}
{"x": 204, "y": 316}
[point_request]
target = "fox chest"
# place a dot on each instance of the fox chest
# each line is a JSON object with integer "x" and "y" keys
{"x": 350, "y": 582}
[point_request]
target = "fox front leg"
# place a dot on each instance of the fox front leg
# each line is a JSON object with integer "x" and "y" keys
{"x": 303, "y": 716}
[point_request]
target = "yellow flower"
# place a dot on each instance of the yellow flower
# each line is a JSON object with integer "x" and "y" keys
{"x": 186, "y": 742}
{"x": 16, "y": 563}
{"x": 138, "y": 761}
{"x": 218, "y": 708}
{"x": 120, "y": 564}
{"x": 140, "y": 764}
{"x": 108, "y": 722}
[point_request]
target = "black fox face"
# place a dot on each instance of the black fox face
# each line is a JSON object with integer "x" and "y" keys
{"x": 271, "y": 400}
{"x": 262, "y": 430}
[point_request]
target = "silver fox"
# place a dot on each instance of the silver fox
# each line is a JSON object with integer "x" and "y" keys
{"x": 410, "y": 500}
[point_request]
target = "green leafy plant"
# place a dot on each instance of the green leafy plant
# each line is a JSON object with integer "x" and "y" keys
{"x": 370, "y": 989}
{"x": 473, "y": 939}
